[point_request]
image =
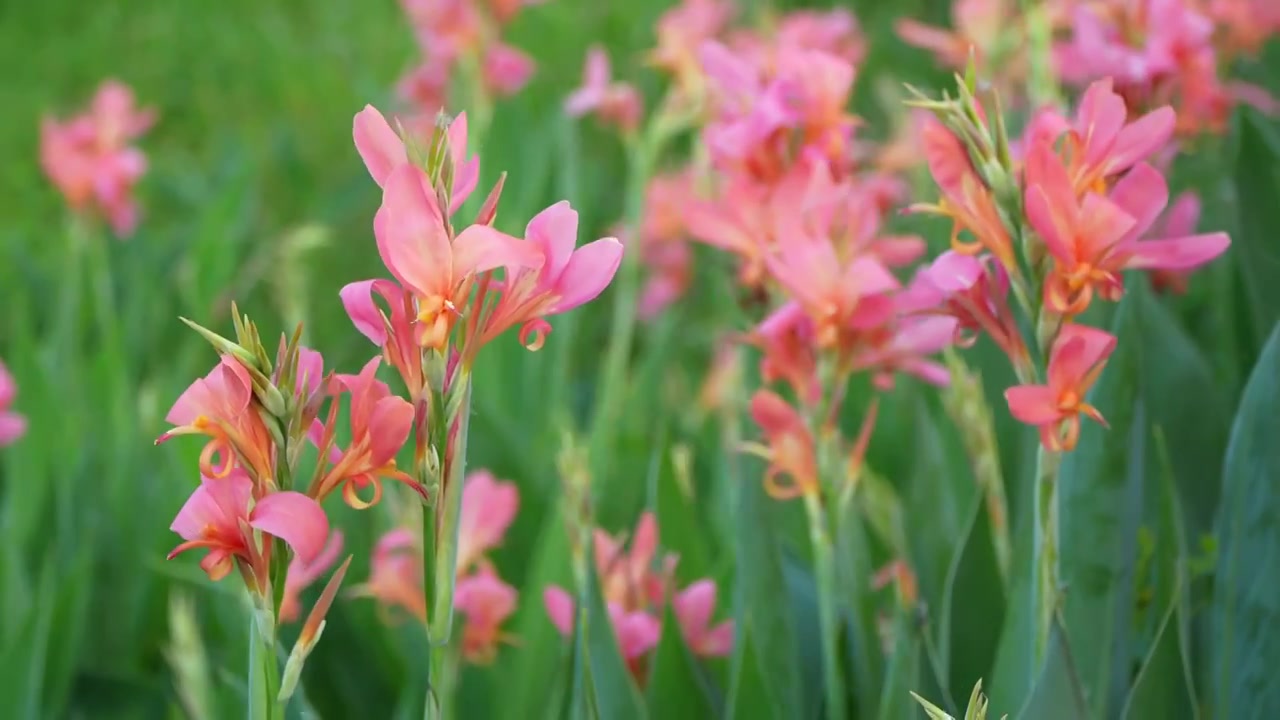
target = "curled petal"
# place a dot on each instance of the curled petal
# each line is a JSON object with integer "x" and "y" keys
{"x": 534, "y": 333}
{"x": 379, "y": 146}
{"x": 294, "y": 518}
{"x": 351, "y": 496}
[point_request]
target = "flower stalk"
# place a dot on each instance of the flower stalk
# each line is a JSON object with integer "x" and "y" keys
{"x": 1045, "y": 589}
{"x": 828, "y": 618}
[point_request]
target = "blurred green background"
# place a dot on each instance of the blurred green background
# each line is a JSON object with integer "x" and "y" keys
{"x": 256, "y": 194}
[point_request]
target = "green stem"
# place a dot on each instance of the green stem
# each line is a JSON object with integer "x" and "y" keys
{"x": 828, "y": 619}
{"x": 1045, "y": 571}
{"x": 264, "y": 676}
{"x": 445, "y": 662}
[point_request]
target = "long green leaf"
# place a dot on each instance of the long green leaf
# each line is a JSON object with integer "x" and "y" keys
{"x": 675, "y": 690}
{"x": 1255, "y": 250}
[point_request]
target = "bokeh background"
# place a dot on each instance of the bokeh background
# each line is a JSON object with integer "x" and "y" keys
{"x": 256, "y": 194}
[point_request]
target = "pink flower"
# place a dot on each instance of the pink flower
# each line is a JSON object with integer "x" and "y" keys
{"x": 693, "y": 607}
{"x": 89, "y": 160}
{"x": 790, "y": 449}
{"x": 486, "y": 602}
{"x": 903, "y": 347}
{"x": 566, "y": 278}
{"x": 393, "y": 332}
{"x": 681, "y": 30}
{"x": 787, "y": 341}
{"x": 426, "y": 87}
{"x": 506, "y": 69}
{"x": 1076, "y": 360}
{"x": 1180, "y": 219}
{"x": 302, "y": 573}
{"x": 977, "y": 25}
{"x": 395, "y": 578}
{"x": 616, "y": 103}
{"x": 740, "y": 220}
{"x": 383, "y": 151}
{"x": 751, "y": 110}
{"x": 1093, "y": 240}
{"x": 221, "y": 514}
{"x": 972, "y": 290}
{"x": 221, "y": 406}
{"x": 637, "y": 632}
{"x": 12, "y": 425}
{"x": 416, "y": 247}
{"x": 629, "y": 577}
{"x": 488, "y": 507}
{"x": 380, "y": 425}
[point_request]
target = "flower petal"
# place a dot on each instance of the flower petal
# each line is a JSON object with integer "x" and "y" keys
{"x": 1141, "y": 138}
{"x": 411, "y": 234}
{"x": 1182, "y": 253}
{"x": 488, "y": 508}
{"x": 589, "y": 271}
{"x": 294, "y": 518}
{"x": 1142, "y": 194}
{"x": 357, "y": 300}
{"x": 378, "y": 145}
{"x": 1078, "y": 349}
{"x": 555, "y": 232}
{"x": 480, "y": 248}
{"x": 559, "y": 608}
{"x": 390, "y": 421}
{"x": 693, "y": 607}
{"x": 1033, "y": 404}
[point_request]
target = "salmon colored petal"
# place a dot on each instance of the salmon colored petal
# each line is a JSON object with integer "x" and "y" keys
{"x": 1075, "y": 353}
{"x": 411, "y": 234}
{"x": 294, "y": 518}
{"x": 357, "y": 300}
{"x": 694, "y": 606}
{"x": 1033, "y": 404}
{"x": 1183, "y": 253}
{"x": 480, "y": 248}
{"x": 589, "y": 271}
{"x": 1142, "y": 194}
{"x": 389, "y": 425}
{"x": 378, "y": 145}
{"x": 555, "y": 232}
{"x": 1142, "y": 138}
{"x": 717, "y": 642}
{"x": 1103, "y": 225}
{"x": 947, "y": 159}
{"x": 868, "y": 276}
{"x": 488, "y": 508}
{"x": 560, "y": 609}
{"x": 1183, "y": 216}
{"x": 466, "y": 171}
{"x": 773, "y": 414}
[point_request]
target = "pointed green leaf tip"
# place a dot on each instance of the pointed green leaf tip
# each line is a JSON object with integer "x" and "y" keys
{"x": 977, "y": 709}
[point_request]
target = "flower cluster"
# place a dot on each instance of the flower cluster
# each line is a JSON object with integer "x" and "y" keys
{"x": 89, "y": 158}
{"x": 462, "y": 34}
{"x": 12, "y": 425}
{"x": 488, "y": 508}
{"x": 636, "y": 583}
{"x": 1084, "y": 202}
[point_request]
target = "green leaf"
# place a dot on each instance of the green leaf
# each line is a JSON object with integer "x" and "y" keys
{"x": 612, "y": 688}
{"x": 1255, "y": 250}
{"x": 903, "y": 671}
{"x": 675, "y": 690}
{"x": 1246, "y": 607}
{"x": 1100, "y": 501}
{"x": 1057, "y": 694}
{"x": 974, "y": 606}
{"x": 854, "y": 573}
{"x": 747, "y": 699}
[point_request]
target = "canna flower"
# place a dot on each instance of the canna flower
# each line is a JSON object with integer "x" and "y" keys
{"x": 506, "y": 70}
{"x": 614, "y": 103}
{"x": 395, "y": 578}
{"x": 833, "y": 31}
{"x": 974, "y": 291}
{"x": 740, "y": 221}
{"x": 302, "y": 573}
{"x": 383, "y": 151}
{"x": 977, "y": 26}
{"x": 485, "y": 601}
{"x": 680, "y": 31}
{"x": 786, "y": 339}
{"x": 488, "y": 507}
{"x": 438, "y": 269}
{"x": 380, "y": 425}
{"x": 752, "y": 113}
{"x": 1076, "y": 360}
{"x": 12, "y": 425}
{"x": 1179, "y": 220}
{"x": 902, "y": 347}
{"x": 693, "y": 607}
{"x": 566, "y": 278}
{"x": 1092, "y": 241}
{"x": 394, "y": 333}
{"x": 426, "y": 87}
{"x": 628, "y": 577}
{"x": 221, "y": 406}
{"x": 637, "y": 632}
{"x": 89, "y": 159}
{"x": 222, "y": 515}
{"x": 790, "y": 448}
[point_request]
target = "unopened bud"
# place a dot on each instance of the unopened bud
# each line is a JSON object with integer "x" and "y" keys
{"x": 225, "y": 346}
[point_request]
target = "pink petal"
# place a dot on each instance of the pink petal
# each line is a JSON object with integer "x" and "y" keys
{"x": 411, "y": 234}
{"x": 560, "y": 609}
{"x": 1182, "y": 216}
{"x": 488, "y": 509}
{"x": 694, "y": 605}
{"x": 466, "y": 172}
{"x": 555, "y": 232}
{"x": 12, "y": 427}
{"x": 1141, "y": 138}
{"x": 357, "y": 300}
{"x": 310, "y": 370}
{"x": 773, "y": 414}
{"x": 8, "y": 388}
{"x": 637, "y": 632}
{"x": 1100, "y": 117}
{"x": 718, "y": 642}
{"x": 926, "y": 335}
{"x": 1102, "y": 226}
{"x": 1184, "y": 253}
{"x": 868, "y": 276}
{"x": 583, "y": 101}
{"x": 378, "y": 145}
{"x": 1050, "y": 201}
{"x": 644, "y": 545}
{"x": 929, "y": 371}
{"x": 596, "y": 72}
{"x": 217, "y": 503}
{"x": 954, "y": 272}
{"x": 1077, "y": 350}
{"x": 389, "y": 426}
{"x": 1142, "y": 194}
{"x": 480, "y": 248}
{"x": 588, "y": 273}
{"x": 294, "y": 518}
{"x": 1033, "y": 404}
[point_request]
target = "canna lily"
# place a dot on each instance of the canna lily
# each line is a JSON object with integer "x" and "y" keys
{"x": 785, "y": 338}
{"x": 506, "y": 69}
{"x": 680, "y": 31}
{"x": 380, "y": 424}
{"x": 566, "y": 278}
{"x": 485, "y": 601}
{"x": 1178, "y": 220}
{"x": 393, "y": 333}
{"x": 221, "y": 517}
{"x": 790, "y": 448}
{"x": 221, "y": 406}
{"x": 628, "y": 577}
{"x": 1094, "y": 240}
{"x": 12, "y": 425}
{"x": 614, "y": 103}
{"x": 1076, "y": 359}
{"x": 977, "y": 26}
{"x": 382, "y": 151}
{"x": 489, "y": 506}
{"x": 902, "y": 347}
{"x": 395, "y": 578}
{"x": 416, "y": 247}
{"x": 302, "y": 573}
{"x": 693, "y": 607}
{"x": 637, "y": 632}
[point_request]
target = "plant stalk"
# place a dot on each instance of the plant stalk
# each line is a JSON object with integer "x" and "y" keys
{"x": 1044, "y": 593}
{"x": 264, "y": 676}
{"x": 828, "y": 618}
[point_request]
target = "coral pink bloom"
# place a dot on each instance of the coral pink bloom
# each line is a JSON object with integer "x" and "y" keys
{"x": 506, "y": 69}
{"x": 302, "y": 573}
{"x": 567, "y": 278}
{"x": 752, "y": 113}
{"x": 693, "y": 607}
{"x": 395, "y": 578}
{"x": 820, "y": 86}
{"x": 1092, "y": 241}
{"x": 416, "y": 247}
{"x": 977, "y": 26}
{"x": 834, "y": 31}
{"x": 426, "y": 88}
{"x": 664, "y": 247}
{"x": 637, "y": 632}
{"x": 739, "y": 221}
{"x": 485, "y": 601}
{"x": 1103, "y": 144}
{"x": 221, "y": 406}
{"x": 383, "y": 151}
{"x": 12, "y": 425}
{"x": 380, "y": 424}
{"x": 221, "y": 515}
{"x": 1180, "y": 219}
{"x": 790, "y": 449}
{"x": 628, "y": 577}
{"x": 393, "y": 333}
{"x": 903, "y": 347}
{"x": 89, "y": 159}
{"x": 615, "y": 103}
{"x": 681, "y": 30}
{"x": 488, "y": 507}
{"x": 836, "y": 294}
{"x": 1075, "y": 361}
{"x": 786, "y": 339}
{"x": 974, "y": 291}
